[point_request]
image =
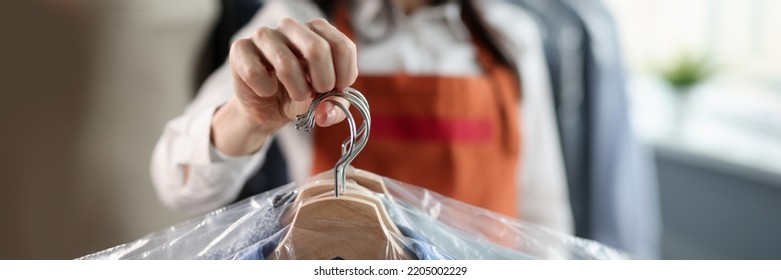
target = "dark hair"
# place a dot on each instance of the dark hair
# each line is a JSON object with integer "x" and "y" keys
{"x": 481, "y": 31}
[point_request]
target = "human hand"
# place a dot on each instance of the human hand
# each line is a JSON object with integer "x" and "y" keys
{"x": 275, "y": 74}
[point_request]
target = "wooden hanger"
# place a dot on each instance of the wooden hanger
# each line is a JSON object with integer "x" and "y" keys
{"x": 342, "y": 227}
{"x": 325, "y": 189}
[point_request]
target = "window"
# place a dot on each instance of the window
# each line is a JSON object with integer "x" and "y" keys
{"x": 728, "y": 50}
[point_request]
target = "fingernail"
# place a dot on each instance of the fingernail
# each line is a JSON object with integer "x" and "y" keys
{"x": 331, "y": 117}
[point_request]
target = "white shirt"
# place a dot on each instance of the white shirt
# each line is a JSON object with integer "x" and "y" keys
{"x": 191, "y": 175}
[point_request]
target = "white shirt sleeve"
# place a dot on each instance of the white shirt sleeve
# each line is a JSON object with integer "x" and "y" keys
{"x": 188, "y": 172}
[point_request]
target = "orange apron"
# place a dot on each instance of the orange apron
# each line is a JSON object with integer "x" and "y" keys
{"x": 455, "y": 135}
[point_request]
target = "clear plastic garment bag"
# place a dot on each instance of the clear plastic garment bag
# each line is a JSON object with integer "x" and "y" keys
{"x": 348, "y": 213}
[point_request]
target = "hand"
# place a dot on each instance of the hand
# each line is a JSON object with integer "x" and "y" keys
{"x": 275, "y": 74}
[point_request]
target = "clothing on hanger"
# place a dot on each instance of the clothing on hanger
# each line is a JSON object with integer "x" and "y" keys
{"x": 432, "y": 227}
{"x": 624, "y": 199}
{"x": 610, "y": 175}
{"x": 565, "y": 42}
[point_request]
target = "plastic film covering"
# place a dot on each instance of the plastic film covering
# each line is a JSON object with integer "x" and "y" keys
{"x": 388, "y": 220}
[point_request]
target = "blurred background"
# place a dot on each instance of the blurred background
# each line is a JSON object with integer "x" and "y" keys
{"x": 705, "y": 89}
{"x": 87, "y": 86}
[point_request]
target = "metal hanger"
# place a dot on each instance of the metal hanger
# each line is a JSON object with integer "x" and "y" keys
{"x": 351, "y": 226}
{"x": 358, "y": 137}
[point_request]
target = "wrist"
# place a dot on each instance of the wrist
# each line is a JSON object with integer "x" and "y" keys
{"x": 233, "y": 133}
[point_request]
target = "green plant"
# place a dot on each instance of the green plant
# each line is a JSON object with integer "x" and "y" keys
{"x": 687, "y": 70}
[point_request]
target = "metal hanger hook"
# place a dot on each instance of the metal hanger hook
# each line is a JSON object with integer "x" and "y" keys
{"x": 358, "y": 136}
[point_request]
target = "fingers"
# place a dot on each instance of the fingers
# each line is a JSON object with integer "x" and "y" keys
{"x": 327, "y": 114}
{"x": 286, "y": 65}
{"x": 247, "y": 66}
{"x": 297, "y": 59}
{"x": 343, "y": 51}
{"x": 314, "y": 51}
